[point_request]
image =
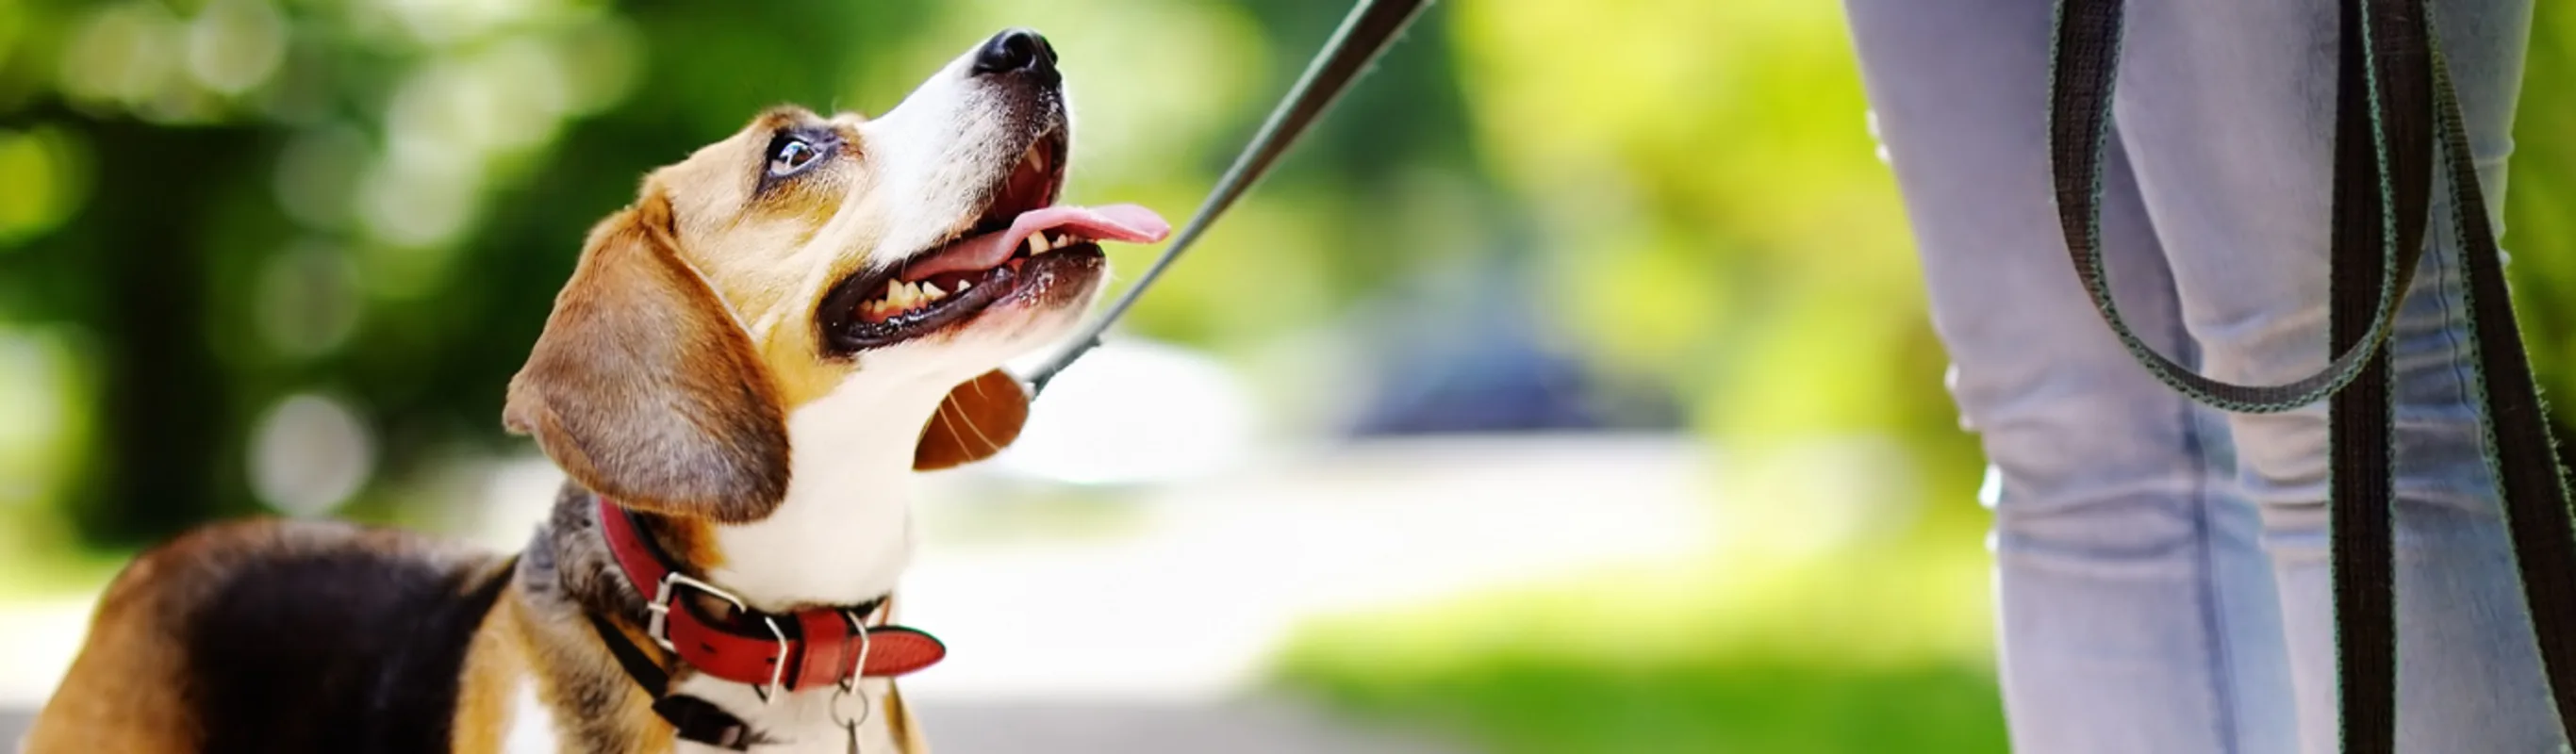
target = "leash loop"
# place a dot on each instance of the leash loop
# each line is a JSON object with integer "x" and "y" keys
{"x": 1368, "y": 31}
{"x": 2395, "y": 105}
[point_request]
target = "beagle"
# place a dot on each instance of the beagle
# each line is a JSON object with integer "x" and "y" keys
{"x": 740, "y": 377}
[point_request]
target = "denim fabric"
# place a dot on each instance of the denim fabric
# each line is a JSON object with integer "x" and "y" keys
{"x": 2161, "y": 567}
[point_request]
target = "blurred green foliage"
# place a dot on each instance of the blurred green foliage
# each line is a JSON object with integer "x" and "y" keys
{"x": 2540, "y": 231}
{"x": 329, "y": 229}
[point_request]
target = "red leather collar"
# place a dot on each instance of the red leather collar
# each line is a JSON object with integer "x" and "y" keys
{"x": 803, "y": 650}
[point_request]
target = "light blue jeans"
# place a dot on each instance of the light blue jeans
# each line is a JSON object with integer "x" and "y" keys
{"x": 2161, "y": 566}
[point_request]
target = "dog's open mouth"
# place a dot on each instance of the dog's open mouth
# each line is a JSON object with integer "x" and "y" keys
{"x": 1021, "y": 240}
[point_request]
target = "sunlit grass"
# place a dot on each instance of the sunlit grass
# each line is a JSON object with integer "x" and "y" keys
{"x": 1879, "y": 644}
{"x": 1525, "y": 705}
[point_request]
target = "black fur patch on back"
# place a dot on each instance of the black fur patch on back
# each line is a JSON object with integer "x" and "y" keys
{"x": 334, "y": 649}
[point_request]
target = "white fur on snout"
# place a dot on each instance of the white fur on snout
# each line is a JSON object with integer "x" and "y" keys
{"x": 935, "y": 154}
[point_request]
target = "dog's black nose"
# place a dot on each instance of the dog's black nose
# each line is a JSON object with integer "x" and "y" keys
{"x": 1015, "y": 50}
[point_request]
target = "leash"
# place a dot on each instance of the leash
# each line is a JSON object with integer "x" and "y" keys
{"x": 2395, "y": 102}
{"x": 1368, "y": 31}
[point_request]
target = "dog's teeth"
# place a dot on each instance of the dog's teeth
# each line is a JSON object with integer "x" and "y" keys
{"x": 901, "y": 295}
{"x": 932, "y": 290}
{"x": 962, "y": 285}
{"x": 1037, "y": 243}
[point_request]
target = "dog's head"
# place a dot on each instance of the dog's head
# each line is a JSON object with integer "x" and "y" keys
{"x": 804, "y": 256}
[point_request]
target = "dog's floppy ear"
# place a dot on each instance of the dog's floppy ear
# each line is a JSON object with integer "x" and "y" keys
{"x": 976, "y": 420}
{"x": 643, "y": 388}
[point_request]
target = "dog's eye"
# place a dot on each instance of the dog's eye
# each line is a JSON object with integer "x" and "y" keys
{"x": 789, "y": 156}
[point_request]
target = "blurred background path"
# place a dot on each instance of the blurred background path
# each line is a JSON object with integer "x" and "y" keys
{"x": 1152, "y": 625}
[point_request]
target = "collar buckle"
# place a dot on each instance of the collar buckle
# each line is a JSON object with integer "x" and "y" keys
{"x": 657, "y": 624}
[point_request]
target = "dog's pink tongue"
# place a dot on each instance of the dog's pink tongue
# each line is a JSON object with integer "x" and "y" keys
{"x": 1116, "y": 222}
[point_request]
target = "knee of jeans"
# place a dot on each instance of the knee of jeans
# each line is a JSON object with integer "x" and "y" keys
{"x": 2078, "y": 465}
{"x": 2107, "y": 526}
{"x": 2091, "y": 490}
{"x": 2438, "y": 462}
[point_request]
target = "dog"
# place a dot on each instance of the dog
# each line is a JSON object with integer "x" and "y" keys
{"x": 739, "y": 379}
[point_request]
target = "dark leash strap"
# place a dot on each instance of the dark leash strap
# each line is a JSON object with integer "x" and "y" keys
{"x": 693, "y": 718}
{"x": 2395, "y": 104}
{"x": 1370, "y": 28}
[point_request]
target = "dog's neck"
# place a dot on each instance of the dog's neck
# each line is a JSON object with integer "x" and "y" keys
{"x": 843, "y": 534}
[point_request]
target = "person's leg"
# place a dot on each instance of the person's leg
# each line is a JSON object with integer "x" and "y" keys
{"x": 2136, "y": 610}
{"x": 2226, "y": 111}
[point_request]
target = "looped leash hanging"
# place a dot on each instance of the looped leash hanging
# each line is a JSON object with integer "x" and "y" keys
{"x": 1370, "y": 28}
{"x": 2395, "y": 106}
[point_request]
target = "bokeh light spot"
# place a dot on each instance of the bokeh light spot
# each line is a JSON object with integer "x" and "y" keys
{"x": 121, "y": 54}
{"x": 39, "y": 394}
{"x": 236, "y": 44}
{"x": 318, "y": 170}
{"x": 47, "y": 175}
{"x": 308, "y": 300}
{"x": 308, "y": 454}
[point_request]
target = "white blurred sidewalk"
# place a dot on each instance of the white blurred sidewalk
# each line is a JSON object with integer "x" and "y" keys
{"x": 1146, "y": 624}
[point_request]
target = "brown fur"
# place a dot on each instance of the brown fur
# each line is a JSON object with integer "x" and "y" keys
{"x": 122, "y": 692}
{"x": 644, "y": 389}
{"x": 495, "y": 667}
